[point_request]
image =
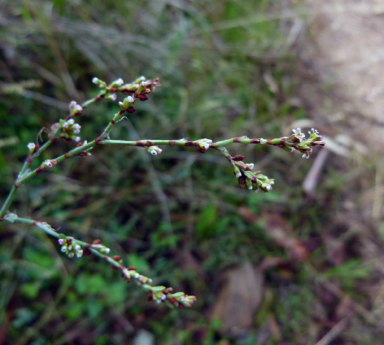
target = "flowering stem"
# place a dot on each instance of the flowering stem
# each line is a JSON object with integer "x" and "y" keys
{"x": 157, "y": 293}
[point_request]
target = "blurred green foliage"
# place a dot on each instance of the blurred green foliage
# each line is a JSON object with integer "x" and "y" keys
{"x": 212, "y": 58}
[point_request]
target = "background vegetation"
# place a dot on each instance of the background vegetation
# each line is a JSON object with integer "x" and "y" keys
{"x": 226, "y": 69}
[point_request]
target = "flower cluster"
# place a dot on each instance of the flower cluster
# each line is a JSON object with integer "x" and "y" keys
{"x": 203, "y": 144}
{"x": 154, "y": 150}
{"x": 75, "y": 109}
{"x": 69, "y": 247}
{"x": 69, "y": 130}
{"x": 302, "y": 144}
{"x": 48, "y": 164}
{"x": 251, "y": 180}
{"x": 162, "y": 294}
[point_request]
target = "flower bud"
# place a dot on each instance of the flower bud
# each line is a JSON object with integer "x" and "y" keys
{"x": 100, "y": 83}
{"x": 154, "y": 150}
{"x": 31, "y": 147}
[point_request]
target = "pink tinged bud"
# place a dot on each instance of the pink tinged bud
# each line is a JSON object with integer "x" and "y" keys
{"x": 163, "y": 297}
{"x": 65, "y": 125}
{"x": 77, "y": 139}
{"x": 78, "y": 108}
{"x": 238, "y": 174}
{"x": 182, "y": 299}
{"x": 61, "y": 241}
{"x": 71, "y": 255}
{"x": 143, "y": 83}
{"x": 112, "y": 97}
{"x": 48, "y": 164}
{"x": 63, "y": 249}
{"x": 250, "y": 188}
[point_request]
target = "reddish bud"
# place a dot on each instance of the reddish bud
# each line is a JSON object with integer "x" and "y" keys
{"x": 131, "y": 110}
{"x": 116, "y": 258}
{"x": 86, "y": 252}
{"x": 241, "y": 181}
{"x": 167, "y": 291}
{"x": 150, "y": 296}
{"x": 131, "y": 268}
{"x": 125, "y": 278}
{"x": 96, "y": 241}
{"x": 238, "y": 158}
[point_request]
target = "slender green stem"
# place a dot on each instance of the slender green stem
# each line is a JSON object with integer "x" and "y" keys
{"x": 8, "y": 201}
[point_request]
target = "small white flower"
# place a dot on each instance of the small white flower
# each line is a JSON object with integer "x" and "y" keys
{"x": 268, "y": 187}
{"x": 61, "y": 241}
{"x": 251, "y": 165}
{"x": 77, "y": 139}
{"x": 71, "y": 255}
{"x": 250, "y": 187}
{"x": 136, "y": 86}
{"x": 154, "y": 150}
{"x": 238, "y": 174}
{"x": 63, "y": 249}
{"x": 48, "y": 164}
{"x": 263, "y": 141}
{"x": 95, "y": 80}
{"x": 142, "y": 77}
{"x": 113, "y": 97}
{"x": 163, "y": 297}
{"x": 119, "y": 82}
{"x": 181, "y": 299}
{"x": 76, "y": 126}
{"x": 71, "y": 121}
{"x": 76, "y": 247}
{"x": 106, "y": 250}
{"x": 78, "y": 108}
{"x": 65, "y": 125}
{"x": 76, "y": 131}
{"x": 31, "y": 146}
{"x": 79, "y": 254}
{"x": 143, "y": 83}
{"x": 305, "y": 155}
{"x": 136, "y": 275}
{"x": 130, "y": 99}
{"x": 149, "y": 281}
{"x": 298, "y": 134}
{"x": 158, "y": 301}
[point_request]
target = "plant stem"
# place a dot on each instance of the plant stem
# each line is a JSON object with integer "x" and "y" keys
{"x": 8, "y": 201}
